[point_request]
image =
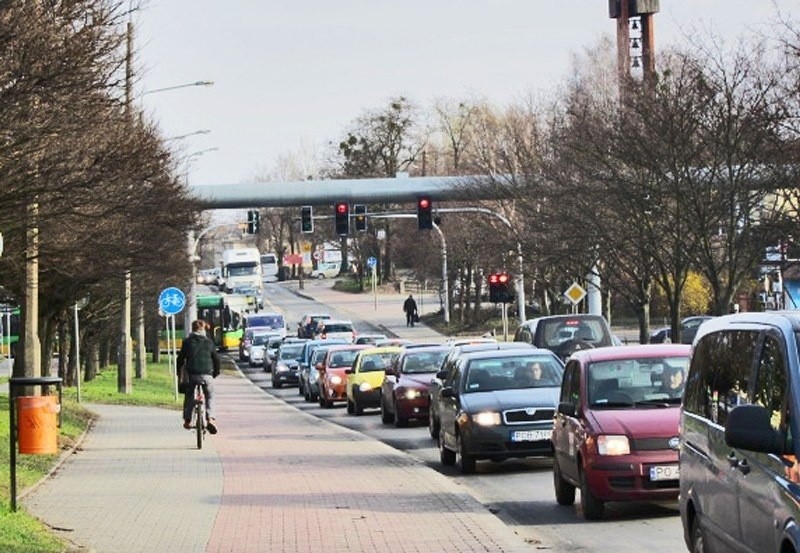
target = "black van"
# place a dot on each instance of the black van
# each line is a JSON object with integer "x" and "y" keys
{"x": 739, "y": 476}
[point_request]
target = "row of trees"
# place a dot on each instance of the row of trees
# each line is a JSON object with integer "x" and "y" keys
{"x": 649, "y": 186}
{"x": 88, "y": 186}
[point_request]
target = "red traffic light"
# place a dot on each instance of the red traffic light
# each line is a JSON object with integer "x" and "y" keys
{"x": 424, "y": 203}
{"x": 341, "y": 208}
{"x": 502, "y": 278}
{"x": 493, "y": 278}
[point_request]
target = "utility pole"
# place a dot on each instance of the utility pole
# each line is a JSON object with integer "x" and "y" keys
{"x": 124, "y": 377}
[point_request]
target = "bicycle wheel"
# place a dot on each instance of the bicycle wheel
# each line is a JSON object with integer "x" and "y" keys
{"x": 199, "y": 423}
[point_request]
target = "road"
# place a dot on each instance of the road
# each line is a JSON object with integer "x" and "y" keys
{"x": 519, "y": 492}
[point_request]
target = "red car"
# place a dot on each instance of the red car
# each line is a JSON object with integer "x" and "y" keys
{"x": 332, "y": 376}
{"x": 616, "y": 428}
{"x": 404, "y": 392}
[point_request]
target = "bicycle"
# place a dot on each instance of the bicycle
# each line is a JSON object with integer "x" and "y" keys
{"x": 199, "y": 414}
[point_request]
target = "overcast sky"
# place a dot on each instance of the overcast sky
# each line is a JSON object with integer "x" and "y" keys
{"x": 288, "y": 72}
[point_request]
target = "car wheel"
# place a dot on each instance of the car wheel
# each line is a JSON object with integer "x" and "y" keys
{"x": 399, "y": 421}
{"x": 357, "y": 409}
{"x": 446, "y": 456}
{"x": 464, "y": 461}
{"x": 276, "y": 384}
{"x": 592, "y": 507}
{"x": 433, "y": 427}
{"x": 565, "y": 492}
{"x": 300, "y": 390}
{"x": 320, "y": 276}
{"x": 350, "y": 407}
{"x": 386, "y": 416}
{"x": 698, "y": 543}
{"x": 321, "y": 399}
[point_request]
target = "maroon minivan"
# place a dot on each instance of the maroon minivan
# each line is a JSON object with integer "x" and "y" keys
{"x": 616, "y": 428}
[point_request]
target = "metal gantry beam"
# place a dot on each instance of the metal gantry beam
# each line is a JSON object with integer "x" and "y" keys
{"x": 327, "y": 192}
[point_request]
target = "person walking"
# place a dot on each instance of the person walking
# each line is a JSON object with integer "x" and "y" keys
{"x": 198, "y": 358}
{"x": 410, "y": 308}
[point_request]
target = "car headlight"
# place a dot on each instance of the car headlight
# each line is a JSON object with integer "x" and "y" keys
{"x": 336, "y": 379}
{"x": 487, "y": 418}
{"x": 411, "y": 393}
{"x": 282, "y": 368}
{"x": 313, "y": 376}
{"x": 613, "y": 445}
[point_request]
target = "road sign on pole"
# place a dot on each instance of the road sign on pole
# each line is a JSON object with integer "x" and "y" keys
{"x": 372, "y": 262}
{"x": 171, "y": 300}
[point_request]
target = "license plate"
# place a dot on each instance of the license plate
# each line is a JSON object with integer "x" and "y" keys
{"x": 664, "y": 472}
{"x": 530, "y": 435}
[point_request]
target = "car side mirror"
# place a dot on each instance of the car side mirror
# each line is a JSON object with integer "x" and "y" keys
{"x": 349, "y": 371}
{"x": 749, "y": 427}
{"x": 441, "y": 375}
{"x": 389, "y": 371}
{"x": 447, "y": 392}
{"x": 566, "y": 408}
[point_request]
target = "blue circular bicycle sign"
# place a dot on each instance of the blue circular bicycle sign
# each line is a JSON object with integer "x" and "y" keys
{"x": 371, "y": 262}
{"x": 171, "y": 301}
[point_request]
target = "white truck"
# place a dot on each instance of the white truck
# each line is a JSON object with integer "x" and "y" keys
{"x": 241, "y": 268}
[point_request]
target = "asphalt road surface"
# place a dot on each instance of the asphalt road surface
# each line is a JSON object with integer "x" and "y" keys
{"x": 520, "y": 492}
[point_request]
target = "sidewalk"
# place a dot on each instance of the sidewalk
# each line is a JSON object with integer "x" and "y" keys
{"x": 275, "y": 479}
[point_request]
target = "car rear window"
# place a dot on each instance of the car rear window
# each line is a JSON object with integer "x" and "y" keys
{"x": 338, "y": 328}
{"x": 376, "y": 362}
{"x": 556, "y": 332}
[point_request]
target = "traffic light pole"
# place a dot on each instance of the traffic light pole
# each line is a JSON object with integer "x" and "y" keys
{"x": 445, "y": 286}
{"x": 520, "y": 279}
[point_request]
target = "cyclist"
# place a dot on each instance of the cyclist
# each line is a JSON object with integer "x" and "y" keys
{"x": 198, "y": 356}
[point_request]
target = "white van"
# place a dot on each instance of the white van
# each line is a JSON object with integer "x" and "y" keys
{"x": 269, "y": 267}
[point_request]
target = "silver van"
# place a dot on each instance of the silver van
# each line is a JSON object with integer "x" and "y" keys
{"x": 739, "y": 476}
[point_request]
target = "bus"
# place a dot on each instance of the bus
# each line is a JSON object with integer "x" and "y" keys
{"x": 9, "y": 330}
{"x": 224, "y": 312}
{"x": 269, "y": 267}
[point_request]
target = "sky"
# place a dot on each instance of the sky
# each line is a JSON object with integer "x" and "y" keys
{"x": 294, "y": 74}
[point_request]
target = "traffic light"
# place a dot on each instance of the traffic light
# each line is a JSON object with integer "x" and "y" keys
{"x": 360, "y": 211}
{"x": 500, "y": 288}
{"x": 342, "y": 216}
{"x": 424, "y": 213}
{"x": 253, "y": 219}
{"x": 306, "y": 219}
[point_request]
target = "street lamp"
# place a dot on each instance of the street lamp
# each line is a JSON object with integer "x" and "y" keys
{"x": 176, "y": 87}
{"x": 190, "y": 314}
{"x": 187, "y": 135}
{"x": 126, "y": 357}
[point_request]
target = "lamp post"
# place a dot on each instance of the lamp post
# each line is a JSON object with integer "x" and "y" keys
{"x": 126, "y": 356}
{"x": 190, "y": 313}
{"x": 187, "y": 135}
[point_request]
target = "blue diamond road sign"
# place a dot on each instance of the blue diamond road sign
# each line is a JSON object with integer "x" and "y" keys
{"x": 171, "y": 301}
{"x": 371, "y": 262}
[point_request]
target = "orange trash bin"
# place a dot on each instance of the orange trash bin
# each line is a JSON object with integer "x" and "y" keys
{"x": 37, "y": 424}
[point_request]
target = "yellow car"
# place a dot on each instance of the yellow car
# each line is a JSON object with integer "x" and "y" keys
{"x": 365, "y": 377}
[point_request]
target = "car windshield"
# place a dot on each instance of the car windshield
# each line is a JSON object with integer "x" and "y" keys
{"x": 423, "y": 362}
{"x": 374, "y": 362}
{"x": 291, "y": 351}
{"x": 272, "y": 321}
{"x": 510, "y": 373}
{"x": 556, "y": 332}
{"x": 637, "y": 382}
{"x": 261, "y": 339}
{"x": 343, "y": 358}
